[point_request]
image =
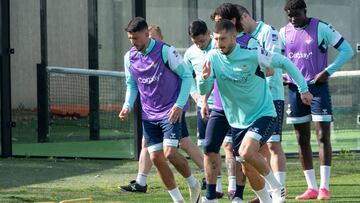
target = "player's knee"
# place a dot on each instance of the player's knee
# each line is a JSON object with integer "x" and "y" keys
{"x": 227, "y": 146}
{"x": 171, "y": 155}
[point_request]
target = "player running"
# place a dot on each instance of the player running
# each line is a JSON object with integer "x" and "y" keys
{"x": 158, "y": 73}
{"x": 250, "y": 112}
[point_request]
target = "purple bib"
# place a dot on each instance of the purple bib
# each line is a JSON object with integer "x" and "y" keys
{"x": 243, "y": 40}
{"x": 301, "y": 47}
{"x": 158, "y": 86}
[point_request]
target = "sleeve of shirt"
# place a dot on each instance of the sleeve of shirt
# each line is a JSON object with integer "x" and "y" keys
{"x": 328, "y": 35}
{"x": 177, "y": 64}
{"x": 131, "y": 86}
{"x": 282, "y": 39}
{"x": 205, "y": 86}
{"x": 187, "y": 61}
{"x": 272, "y": 44}
{"x": 277, "y": 60}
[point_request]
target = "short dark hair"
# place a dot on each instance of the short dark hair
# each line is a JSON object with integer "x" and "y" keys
{"x": 197, "y": 27}
{"x": 294, "y": 4}
{"x": 241, "y": 10}
{"x": 137, "y": 24}
{"x": 228, "y": 11}
{"x": 224, "y": 24}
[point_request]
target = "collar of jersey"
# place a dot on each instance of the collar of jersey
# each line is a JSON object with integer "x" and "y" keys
{"x": 149, "y": 48}
{"x": 210, "y": 45}
{"x": 233, "y": 52}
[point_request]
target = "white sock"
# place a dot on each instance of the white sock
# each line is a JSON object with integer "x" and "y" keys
{"x": 218, "y": 184}
{"x": 141, "y": 179}
{"x": 267, "y": 187}
{"x": 263, "y": 195}
{"x": 280, "y": 177}
{"x": 325, "y": 176}
{"x": 273, "y": 183}
{"x": 232, "y": 183}
{"x": 311, "y": 179}
{"x": 191, "y": 180}
{"x": 175, "y": 194}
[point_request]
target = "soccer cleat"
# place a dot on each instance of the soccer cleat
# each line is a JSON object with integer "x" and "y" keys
{"x": 195, "y": 193}
{"x": 134, "y": 187}
{"x": 278, "y": 195}
{"x": 231, "y": 194}
{"x": 255, "y": 200}
{"x": 323, "y": 194}
{"x": 203, "y": 183}
{"x": 236, "y": 200}
{"x": 219, "y": 195}
{"x": 308, "y": 194}
{"x": 205, "y": 200}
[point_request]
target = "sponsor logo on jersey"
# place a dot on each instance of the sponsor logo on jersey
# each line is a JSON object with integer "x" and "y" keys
{"x": 299, "y": 55}
{"x": 149, "y": 80}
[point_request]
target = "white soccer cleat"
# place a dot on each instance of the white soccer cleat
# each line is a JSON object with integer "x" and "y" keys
{"x": 195, "y": 193}
{"x": 278, "y": 195}
{"x": 205, "y": 200}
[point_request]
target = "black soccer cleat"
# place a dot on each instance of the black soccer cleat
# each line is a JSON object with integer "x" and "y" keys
{"x": 134, "y": 187}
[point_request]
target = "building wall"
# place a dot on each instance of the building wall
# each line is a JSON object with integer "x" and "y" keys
{"x": 68, "y": 32}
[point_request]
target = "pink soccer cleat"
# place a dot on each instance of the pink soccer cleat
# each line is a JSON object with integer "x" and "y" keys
{"x": 308, "y": 194}
{"x": 323, "y": 194}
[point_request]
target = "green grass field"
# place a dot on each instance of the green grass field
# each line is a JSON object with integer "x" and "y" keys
{"x": 44, "y": 180}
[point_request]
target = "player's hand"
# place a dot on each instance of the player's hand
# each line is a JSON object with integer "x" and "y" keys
{"x": 205, "y": 111}
{"x": 206, "y": 70}
{"x": 124, "y": 113}
{"x": 306, "y": 98}
{"x": 269, "y": 72}
{"x": 321, "y": 77}
{"x": 175, "y": 114}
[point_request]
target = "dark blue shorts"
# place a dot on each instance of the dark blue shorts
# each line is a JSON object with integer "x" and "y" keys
{"x": 160, "y": 133}
{"x": 217, "y": 128}
{"x": 201, "y": 127}
{"x": 319, "y": 111}
{"x": 259, "y": 130}
{"x": 184, "y": 129}
{"x": 277, "y": 134}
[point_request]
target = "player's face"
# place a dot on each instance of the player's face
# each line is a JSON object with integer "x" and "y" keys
{"x": 139, "y": 39}
{"x": 297, "y": 17}
{"x": 201, "y": 41}
{"x": 155, "y": 35}
{"x": 225, "y": 41}
{"x": 245, "y": 23}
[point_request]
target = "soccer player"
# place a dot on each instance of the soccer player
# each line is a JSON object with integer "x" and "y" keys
{"x": 145, "y": 164}
{"x": 306, "y": 40}
{"x": 250, "y": 111}
{"x": 158, "y": 73}
{"x": 268, "y": 38}
{"x": 194, "y": 57}
{"x": 218, "y": 125}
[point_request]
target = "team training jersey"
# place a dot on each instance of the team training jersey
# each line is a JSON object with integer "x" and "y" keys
{"x": 245, "y": 40}
{"x": 161, "y": 77}
{"x": 268, "y": 39}
{"x": 307, "y": 47}
{"x": 242, "y": 84}
{"x": 194, "y": 58}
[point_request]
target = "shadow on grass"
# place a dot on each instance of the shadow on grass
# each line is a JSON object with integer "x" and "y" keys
{"x": 17, "y": 172}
